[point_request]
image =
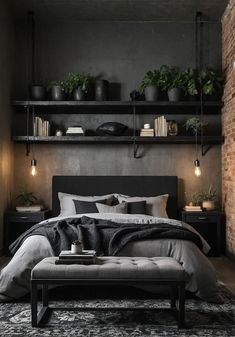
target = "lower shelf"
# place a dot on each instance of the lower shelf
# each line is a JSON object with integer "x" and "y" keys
{"x": 118, "y": 140}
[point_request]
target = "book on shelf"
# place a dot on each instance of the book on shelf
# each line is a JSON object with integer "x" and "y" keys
{"x": 160, "y": 126}
{"x": 75, "y": 131}
{"x": 33, "y": 208}
{"x": 193, "y": 208}
{"x": 147, "y": 133}
{"x": 41, "y": 127}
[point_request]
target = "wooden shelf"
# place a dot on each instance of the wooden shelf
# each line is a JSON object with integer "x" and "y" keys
{"x": 117, "y": 140}
{"x": 120, "y": 107}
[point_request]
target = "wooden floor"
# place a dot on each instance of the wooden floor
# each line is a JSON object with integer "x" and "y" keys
{"x": 225, "y": 269}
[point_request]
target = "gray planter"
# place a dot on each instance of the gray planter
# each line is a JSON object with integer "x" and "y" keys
{"x": 151, "y": 93}
{"x": 101, "y": 90}
{"x": 57, "y": 93}
{"x": 174, "y": 94}
{"x": 78, "y": 94}
{"x": 37, "y": 93}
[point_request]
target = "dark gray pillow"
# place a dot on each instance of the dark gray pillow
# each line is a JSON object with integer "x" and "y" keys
{"x": 87, "y": 206}
{"x": 136, "y": 207}
{"x": 111, "y": 129}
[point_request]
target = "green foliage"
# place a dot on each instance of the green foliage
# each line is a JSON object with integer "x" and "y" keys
{"x": 151, "y": 78}
{"x": 171, "y": 77}
{"x": 26, "y": 198}
{"x": 195, "y": 199}
{"x": 191, "y": 82}
{"x": 194, "y": 124}
{"x": 211, "y": 83}
{"x": 209, "y": 194}
{"x": 73, "y": 81}
{"x": 55, "y": 83}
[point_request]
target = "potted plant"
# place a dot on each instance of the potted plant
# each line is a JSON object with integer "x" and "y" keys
{"x": 26, "y": 198}
{"x": 150, "y": 85}
{"x": 57, "y": 90}
{"x": 195, "y": 199}
{"x": 77, "y": 85}
{"x": 172, "y": 80}
{"x": 191, "y": 83}
{"x": 207, "y": 199}
{"x": 211, "y": 83}
{"x": 76, "y": 247}
{"x": 37, "y": 92}
{"x": 194, "y": 125}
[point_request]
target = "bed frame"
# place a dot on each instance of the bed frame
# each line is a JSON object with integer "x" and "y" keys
{"x": 131, "y": 185}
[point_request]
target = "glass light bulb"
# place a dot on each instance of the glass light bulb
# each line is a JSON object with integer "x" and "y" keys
{"x": 197, "y": 171}
{"x": 33, "y": 171}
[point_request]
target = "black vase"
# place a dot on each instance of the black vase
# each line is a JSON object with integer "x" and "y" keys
{"x": 78, "y": 94}
{"x": 101, "y": 90}
{"x": 37, "y": 93}
{"x": 57, "y": 93}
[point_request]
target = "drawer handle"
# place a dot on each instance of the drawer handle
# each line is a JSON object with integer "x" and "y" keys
{"x": 24, "y": 217}
{"x": 202, "y": 218}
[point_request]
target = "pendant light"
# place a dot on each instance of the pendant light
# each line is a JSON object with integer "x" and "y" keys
{"x": 33, "y": 167}
{"x": 197, "y": 169}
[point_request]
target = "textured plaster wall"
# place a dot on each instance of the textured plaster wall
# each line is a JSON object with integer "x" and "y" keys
{"x": 6, "y": 148}
{"x": 122, "y": 53}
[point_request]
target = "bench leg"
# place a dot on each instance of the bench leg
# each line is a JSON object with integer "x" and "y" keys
{"x": 173, "y": 296}
{"x": 34, "y": 304}
{"x": 45, "y": 295}
{"x": 181, "y": 312}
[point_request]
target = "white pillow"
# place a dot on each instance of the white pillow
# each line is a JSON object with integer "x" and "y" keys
{"x": 155, "y": 206}
{"x": 67, "y": 206}
{"x": 120, "y": 208}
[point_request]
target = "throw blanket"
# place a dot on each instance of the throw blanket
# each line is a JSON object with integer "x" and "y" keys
{"x": 106, "y": 237}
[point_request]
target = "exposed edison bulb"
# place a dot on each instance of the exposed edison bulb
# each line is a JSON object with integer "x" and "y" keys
{"x": 33, "y": 167}
{"x": 197, "y": 170}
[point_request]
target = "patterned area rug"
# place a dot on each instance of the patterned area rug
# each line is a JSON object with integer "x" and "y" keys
{"x": 203, "y": 319}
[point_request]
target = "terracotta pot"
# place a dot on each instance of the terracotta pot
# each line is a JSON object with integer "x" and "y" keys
{"x": 208, "y": 205}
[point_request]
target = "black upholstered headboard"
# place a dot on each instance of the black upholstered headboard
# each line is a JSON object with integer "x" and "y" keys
{"x": 130, "y": 185}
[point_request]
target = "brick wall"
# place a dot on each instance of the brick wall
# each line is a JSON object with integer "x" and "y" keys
{"x": 228, "y": 122}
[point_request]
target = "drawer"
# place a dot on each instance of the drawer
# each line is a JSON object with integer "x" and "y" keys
{"x": 25, "y": 217}
{"x": 201, "y": 218}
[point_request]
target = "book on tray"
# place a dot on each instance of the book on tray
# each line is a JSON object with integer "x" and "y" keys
{"x": 85, "y": 257}
{"x": 193, "y": 208}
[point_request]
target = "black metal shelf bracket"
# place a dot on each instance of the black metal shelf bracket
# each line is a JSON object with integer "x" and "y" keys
{"x": 205, "y": 148}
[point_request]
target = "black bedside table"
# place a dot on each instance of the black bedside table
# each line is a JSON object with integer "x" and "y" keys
{"x": 211, "y": 225}
{"x": 16, "y": 223}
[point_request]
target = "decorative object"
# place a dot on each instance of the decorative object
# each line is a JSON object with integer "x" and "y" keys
{"x": 59, "y": 133}
{"x": 77, "y": 85}
{"x": 135, "y": 95}
{"x": 150, "y": 85}
{"x": 57, "y": 90}
{"x": 112, "y": 129}
{"x": 147, "y": 126}
{"x": 37, "y": 92}
{"x": 207, "y": 198}
{"x": 26, "y": 198}
{"x": 172, "y": 128}
{"x": 76, "y": 247}
{"x": 101, "y": 90}
{"x": 194, "y": 125}
{"x": 172, "y": 80}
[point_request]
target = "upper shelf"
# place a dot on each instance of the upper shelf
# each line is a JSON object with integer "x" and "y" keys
{"x": 120, "y": 107}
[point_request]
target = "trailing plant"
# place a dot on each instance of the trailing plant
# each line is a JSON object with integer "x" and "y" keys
{"x": 191, "y": 82}
{"x": 151, "y": 78}
{"x": 26, "y": 198}
{"x": 194, "y": 125}
{"x": 73, "y": 81}
{"x": 171, "y": 77}
{"x": 209, "y": 194}
{"x": 211, "y": 83}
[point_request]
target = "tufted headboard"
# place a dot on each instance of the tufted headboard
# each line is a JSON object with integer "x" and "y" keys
{"x": 130, "y": 185}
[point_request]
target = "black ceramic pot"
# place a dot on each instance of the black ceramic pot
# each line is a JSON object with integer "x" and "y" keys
{"x": 78, "y": 94}
{"x": 101, "y": 90}
{"x": 174, "y": 94}
{"x": 151, "y": 93}
{"x": 57, "y": 93}
{"x": 37, "y": 93}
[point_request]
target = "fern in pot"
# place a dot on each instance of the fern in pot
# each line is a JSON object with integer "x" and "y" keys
{"x": 150, "y": 85}
{"x": 77, "y": 85}
{"x": 173, "y": 81}
{"x": 208, "y": 198}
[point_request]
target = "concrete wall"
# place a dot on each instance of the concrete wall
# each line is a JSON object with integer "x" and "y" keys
{"x": 6, "y": 149}
{"x": 228, "y": 151}
{"x": 122, "y": 52}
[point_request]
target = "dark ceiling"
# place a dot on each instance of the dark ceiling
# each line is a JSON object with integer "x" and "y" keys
{"x": 119, "y": 10}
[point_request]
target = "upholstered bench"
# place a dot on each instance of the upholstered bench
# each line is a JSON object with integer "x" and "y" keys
{"x": 134, "y": 271}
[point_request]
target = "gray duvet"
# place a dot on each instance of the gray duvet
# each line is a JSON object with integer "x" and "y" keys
{"x": 201, "y": 276}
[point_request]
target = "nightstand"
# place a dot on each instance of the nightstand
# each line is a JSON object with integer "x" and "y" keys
{"x": 16, "y": 223}
{"x": 211, "y": 225}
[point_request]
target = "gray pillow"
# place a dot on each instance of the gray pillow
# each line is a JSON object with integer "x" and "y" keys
{"x": 120, "y": 208}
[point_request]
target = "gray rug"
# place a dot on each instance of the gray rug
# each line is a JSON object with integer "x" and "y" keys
{"x": 204, "y": 319}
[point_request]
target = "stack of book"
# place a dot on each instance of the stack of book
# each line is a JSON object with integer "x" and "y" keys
{"x": 147, "y": 132}
{"x": 193, "y": 208}
{"x": 41, "y": 127}
{"x": 75, "y": 130}
{"x": 85, "y": 257}
{"x": 33, "y": 208}
{"x": 160, "y": 126}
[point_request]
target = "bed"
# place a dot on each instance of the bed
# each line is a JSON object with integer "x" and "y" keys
{"x": 201, "y": 276}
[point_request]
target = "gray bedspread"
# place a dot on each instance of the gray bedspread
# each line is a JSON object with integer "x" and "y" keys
{"x": 201, "y": 276}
